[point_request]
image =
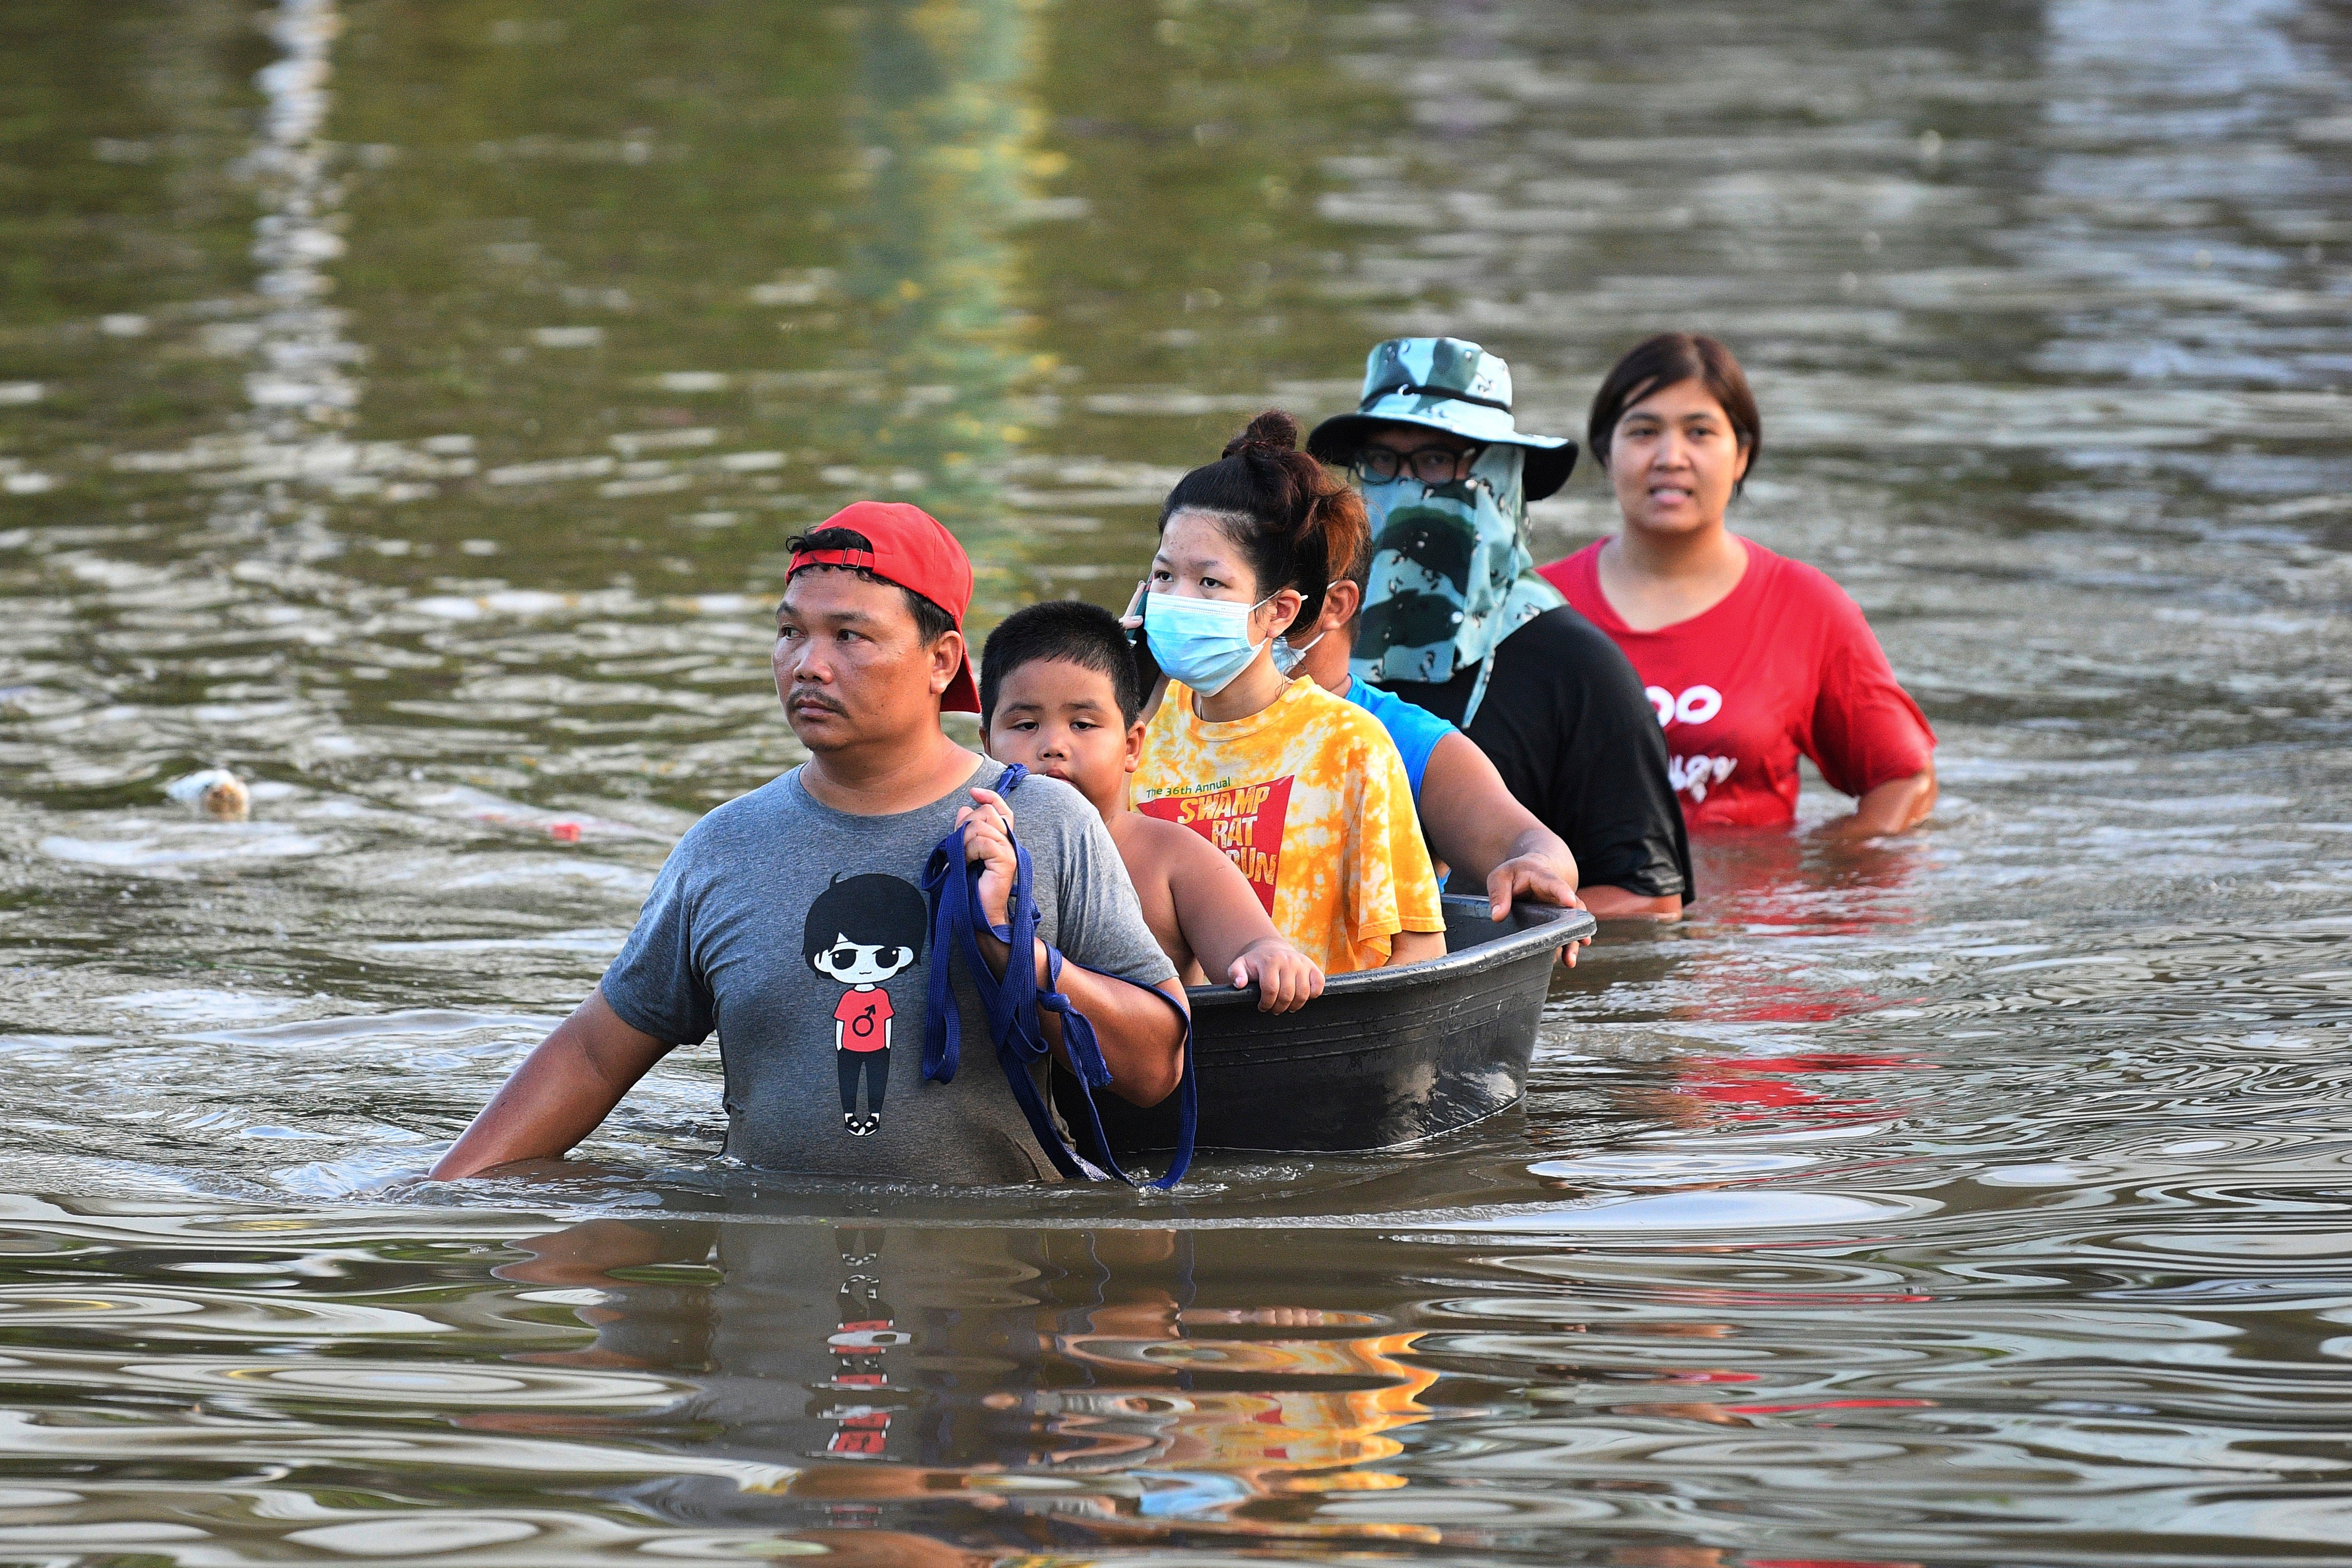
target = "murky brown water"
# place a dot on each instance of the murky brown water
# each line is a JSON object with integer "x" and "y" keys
{"x": 415, "y": 426}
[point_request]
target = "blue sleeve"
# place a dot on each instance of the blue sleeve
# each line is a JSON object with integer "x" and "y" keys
{"x": 656, "y": 985}
{"x": 1415, "y": 730}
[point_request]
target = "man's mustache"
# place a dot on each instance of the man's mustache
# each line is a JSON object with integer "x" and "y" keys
{"x": 815, "y": 700}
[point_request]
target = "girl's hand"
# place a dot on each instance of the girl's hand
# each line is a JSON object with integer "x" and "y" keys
{"x": 1132, "y": 617}
{"x": 988, "y": 840}
{"x": 1286, "y": 978}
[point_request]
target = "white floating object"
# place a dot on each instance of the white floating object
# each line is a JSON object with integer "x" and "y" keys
{"x": 217, "y": 791}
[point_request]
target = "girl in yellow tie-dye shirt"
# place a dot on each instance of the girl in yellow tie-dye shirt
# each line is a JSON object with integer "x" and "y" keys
{"x": 1303, "y": 791}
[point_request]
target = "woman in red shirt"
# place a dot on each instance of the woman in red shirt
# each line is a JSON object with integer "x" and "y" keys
{"x": 1748, "y": 657}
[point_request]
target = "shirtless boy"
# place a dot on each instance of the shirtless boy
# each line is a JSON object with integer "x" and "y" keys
{"x": 1058, "y": 694}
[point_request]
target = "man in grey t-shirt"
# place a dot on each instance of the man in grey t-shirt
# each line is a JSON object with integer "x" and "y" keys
{"x": 791, "y": 920}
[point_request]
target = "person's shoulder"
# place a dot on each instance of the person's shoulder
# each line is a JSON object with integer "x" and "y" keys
{"x": 1576, "y": 560}
{"x": 1560, "y": 669}
{"x": 752, "y": 815}
{"x": 1397, "y": 715}
{"x": 1380, "y": 704}
{"x": 1161, "y": 849}
{"x": 1793, "y": 584}
{"x": 1043, "y": 805}
{"x": 1338, "y": 716}
{"x": 1357, "y": 740}
{"x": 1562, "y": 636}
{"x": 1569, "y": 573}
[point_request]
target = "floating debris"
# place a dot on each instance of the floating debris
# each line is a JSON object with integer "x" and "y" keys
{"x": 217, "y": 791}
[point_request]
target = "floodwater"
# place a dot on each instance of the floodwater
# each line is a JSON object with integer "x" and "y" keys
{"x": 405, "y": 404}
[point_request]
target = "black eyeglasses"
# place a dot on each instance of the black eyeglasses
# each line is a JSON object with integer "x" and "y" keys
{"x": 1431, "y": 465}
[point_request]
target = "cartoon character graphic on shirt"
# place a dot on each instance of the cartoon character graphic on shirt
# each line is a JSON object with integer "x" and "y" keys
{"x": 1692, "y": 775}
{"x": 861, "y": 931}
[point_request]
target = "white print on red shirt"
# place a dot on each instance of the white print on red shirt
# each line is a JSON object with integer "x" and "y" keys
{"x": 1697, "y": 774}
{"x": 1695, "y": 705}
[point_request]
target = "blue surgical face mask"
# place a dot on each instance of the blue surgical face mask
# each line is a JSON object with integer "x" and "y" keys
{"x": 1286, "y": 659}
{"x": 1205, "y": 643}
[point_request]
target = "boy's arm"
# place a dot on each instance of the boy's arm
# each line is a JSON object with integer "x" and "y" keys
{"x": 559, "y": 1094}
{"x": 1228, "y": 930}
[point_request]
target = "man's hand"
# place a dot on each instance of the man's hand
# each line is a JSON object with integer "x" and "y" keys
{"x": 1537, "y": 877}
{"x": 1286, "y": 978}
{"x": 988, "y": 840}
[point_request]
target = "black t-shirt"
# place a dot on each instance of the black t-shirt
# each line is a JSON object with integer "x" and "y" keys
{"x": 1567, "y": 724}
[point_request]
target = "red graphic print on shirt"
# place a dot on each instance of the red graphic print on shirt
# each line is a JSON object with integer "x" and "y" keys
{"x": 865, "y": 1019}
{"x": 1245, "y": 823}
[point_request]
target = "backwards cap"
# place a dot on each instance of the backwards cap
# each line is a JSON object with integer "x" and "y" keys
{"x": 912, "y": 548}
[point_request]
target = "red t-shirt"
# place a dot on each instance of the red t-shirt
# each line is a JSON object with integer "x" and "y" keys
{"x": 1785, "y": 664}
{"x": 862, "y": 1014}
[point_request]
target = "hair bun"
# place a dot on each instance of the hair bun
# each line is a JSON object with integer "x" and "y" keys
{"x": 1272, "y": 431}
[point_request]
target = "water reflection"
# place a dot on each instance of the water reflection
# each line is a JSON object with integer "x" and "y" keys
{"x": 976, "y": 1365}
{"x": 298, "y": 343}
{"x": 945, "y": 124}
{"x": 1972, "y": 1201}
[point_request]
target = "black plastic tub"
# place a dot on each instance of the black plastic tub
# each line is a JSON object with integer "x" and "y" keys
{"x": 1384, "y": 1058}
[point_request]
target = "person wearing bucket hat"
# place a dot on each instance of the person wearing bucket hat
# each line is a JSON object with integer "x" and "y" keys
{"x": 1454, "y": 618}
{"x": 869, "y": 651}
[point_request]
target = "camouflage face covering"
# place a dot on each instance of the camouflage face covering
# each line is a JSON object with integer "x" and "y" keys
{"x": 1452, "y": 575}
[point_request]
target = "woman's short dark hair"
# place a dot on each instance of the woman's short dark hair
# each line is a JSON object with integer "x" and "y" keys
{"x": 931, "y": 622}
{"x": 1295, "y": 524}
{"x": 1068, "y": 629}
{"x": 1663, "y": 361}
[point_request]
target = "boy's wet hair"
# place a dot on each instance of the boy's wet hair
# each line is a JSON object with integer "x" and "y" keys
{"x": 872, "y": 911}
{"x": 1084, "y": 635}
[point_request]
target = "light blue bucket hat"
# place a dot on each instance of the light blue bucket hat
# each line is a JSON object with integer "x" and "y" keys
{"x": 1450, "y": 384}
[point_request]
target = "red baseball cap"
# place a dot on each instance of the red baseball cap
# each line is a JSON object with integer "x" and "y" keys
{"x": 914, "y": 550}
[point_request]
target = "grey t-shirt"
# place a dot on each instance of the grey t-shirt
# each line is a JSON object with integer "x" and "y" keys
{"x": 799, "y": 933}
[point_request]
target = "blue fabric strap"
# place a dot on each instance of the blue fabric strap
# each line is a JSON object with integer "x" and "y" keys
{"x": 1014, "y": 1007}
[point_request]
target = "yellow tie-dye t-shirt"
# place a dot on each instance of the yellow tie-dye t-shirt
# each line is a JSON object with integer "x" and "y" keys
{"x": 1309, "y": 798}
